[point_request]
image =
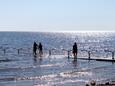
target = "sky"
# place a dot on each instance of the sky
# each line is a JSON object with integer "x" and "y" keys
{"x": 57, "y": 15}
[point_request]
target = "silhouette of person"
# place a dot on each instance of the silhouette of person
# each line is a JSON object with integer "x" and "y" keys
{"x": 35, "y": 48}
{"x": 75, "y": 50}
{"x": 40, "y": 49}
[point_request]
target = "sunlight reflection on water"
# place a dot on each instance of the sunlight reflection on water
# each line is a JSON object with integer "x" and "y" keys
{"x": 57, "y": 69}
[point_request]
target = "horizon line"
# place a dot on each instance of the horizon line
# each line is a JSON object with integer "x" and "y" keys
{"x": 82, "y": 31}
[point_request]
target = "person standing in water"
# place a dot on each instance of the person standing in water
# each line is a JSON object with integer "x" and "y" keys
{"x": 35, "y": 48}
{"x": 75, "y": 50}
{"x": 40, "y": 49}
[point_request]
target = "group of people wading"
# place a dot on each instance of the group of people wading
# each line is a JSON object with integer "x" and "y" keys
{"x": 39, "y": 47}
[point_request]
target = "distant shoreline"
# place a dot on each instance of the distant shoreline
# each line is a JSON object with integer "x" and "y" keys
{"x": 62, "y": 31}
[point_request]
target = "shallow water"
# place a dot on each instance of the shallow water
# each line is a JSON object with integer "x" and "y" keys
{"x": 56, "y": 70}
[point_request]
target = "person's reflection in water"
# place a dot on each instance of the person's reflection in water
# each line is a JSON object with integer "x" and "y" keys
{"x": 37, "y": 61}
{"x": 74, "y": 63}
{"x": 37, "y": 69}
{"x": 35, "y": 58}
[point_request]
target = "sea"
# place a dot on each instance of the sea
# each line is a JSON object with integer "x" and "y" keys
{"x": 18, "y": 66}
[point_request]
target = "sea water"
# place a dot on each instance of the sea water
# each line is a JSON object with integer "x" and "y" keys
{"x": 23, "y": 69}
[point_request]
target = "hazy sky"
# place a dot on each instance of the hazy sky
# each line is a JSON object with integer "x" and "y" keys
{"x": 57, "y": 15}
